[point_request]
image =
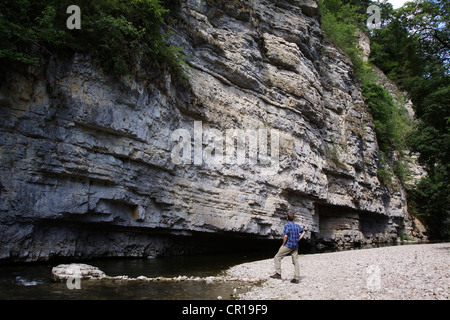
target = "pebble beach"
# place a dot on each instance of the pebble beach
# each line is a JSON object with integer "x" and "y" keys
{"x": 416, "y": 271}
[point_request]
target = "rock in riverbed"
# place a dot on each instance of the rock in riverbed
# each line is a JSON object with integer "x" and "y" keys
{"x": 77, "y": 270}
{"x": 85, "y": 271}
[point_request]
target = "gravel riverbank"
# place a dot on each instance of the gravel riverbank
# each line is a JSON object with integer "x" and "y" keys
{"x": 419, "y": 271}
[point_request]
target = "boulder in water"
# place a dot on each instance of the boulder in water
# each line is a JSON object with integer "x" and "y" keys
{"x": 77, "y": 270}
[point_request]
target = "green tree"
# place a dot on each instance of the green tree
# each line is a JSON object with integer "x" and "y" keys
{"x": 117, "y": 33}
{"x": 340, "y": 22}
{"x": 413, "y": 50}
{"x": 381, "y": 106}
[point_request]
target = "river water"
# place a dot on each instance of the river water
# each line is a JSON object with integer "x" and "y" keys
{"x": 34, "y": 281}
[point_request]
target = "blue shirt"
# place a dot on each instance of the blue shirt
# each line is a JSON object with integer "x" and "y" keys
{"x": 292, "y": 230}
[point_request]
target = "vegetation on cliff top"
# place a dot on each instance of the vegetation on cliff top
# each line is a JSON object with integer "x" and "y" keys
{"x": 118, "y": 34}
{"x": 413, "y": 49}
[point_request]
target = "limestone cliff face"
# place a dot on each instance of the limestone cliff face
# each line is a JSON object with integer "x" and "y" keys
{"x": 87, "y": 162}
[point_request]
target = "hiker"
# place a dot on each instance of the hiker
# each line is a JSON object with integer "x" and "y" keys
{"x": 293, "y": 233}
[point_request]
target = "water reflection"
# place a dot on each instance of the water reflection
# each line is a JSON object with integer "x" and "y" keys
{"x": 33, "y": 281}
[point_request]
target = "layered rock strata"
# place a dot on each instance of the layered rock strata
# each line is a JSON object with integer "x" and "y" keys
{"x": 87, "y": 161}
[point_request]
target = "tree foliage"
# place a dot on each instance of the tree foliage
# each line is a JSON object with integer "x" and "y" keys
{"x": 381, "y": 106}
{"x": 414, "y": 50}
{"x": 341, "y": 22}
{"x": 118, "y": 34}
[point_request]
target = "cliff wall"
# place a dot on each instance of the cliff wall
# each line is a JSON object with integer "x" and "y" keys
{"x": 93, "y": 166}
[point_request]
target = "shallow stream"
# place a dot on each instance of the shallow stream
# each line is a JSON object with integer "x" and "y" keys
{"x": 34, "y": 281}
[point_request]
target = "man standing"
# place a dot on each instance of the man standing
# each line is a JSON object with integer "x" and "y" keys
{"x": 293, "y": 233}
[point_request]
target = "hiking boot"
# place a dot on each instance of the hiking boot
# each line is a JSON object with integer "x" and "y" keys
{"x": 295, "y": 281}
{"x": 276, "y": 276}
